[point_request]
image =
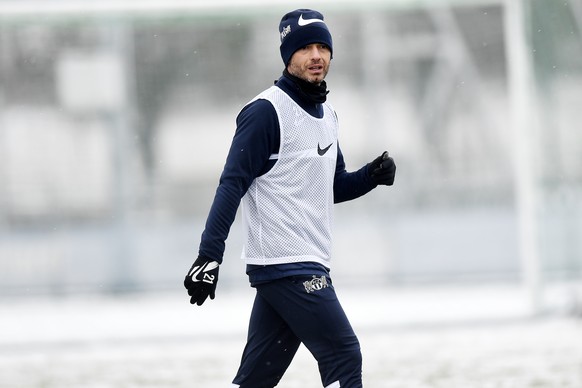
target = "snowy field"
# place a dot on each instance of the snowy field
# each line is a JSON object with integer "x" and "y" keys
{"x": 477, "y": 337}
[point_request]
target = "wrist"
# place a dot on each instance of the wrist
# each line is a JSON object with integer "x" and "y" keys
{"x": 206, "y": 259}
{"x": 368, "y": 174}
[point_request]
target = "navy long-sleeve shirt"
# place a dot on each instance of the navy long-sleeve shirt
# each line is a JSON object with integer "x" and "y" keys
{"x": 257, "y": 137}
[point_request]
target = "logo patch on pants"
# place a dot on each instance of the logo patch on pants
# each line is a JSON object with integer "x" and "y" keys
{"x": 315, "y": 284}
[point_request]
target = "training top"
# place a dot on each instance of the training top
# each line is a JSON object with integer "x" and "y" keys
{"x": 252, "y": 154}
{"x": 288, "y": 211}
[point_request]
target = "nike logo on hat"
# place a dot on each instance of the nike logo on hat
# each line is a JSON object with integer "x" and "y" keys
{"x": 322, "y": 152}
{"x": 303, "y": 22}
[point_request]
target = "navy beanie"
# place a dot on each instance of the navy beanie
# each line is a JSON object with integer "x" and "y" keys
{"x": 300, "y": 28}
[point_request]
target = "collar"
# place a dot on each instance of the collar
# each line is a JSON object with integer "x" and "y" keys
{"x": 314, "y": 93}
{"x": 292, "y": 90}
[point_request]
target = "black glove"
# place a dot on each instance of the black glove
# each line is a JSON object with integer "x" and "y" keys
{"x": 382, "y": 169}
{"x": 201, "y": 280}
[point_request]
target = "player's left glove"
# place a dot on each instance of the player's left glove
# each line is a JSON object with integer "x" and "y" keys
{"x": 201, "y": 280}
{"x": 382, "y": 170}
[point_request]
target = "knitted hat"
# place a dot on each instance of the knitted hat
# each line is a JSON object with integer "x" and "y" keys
{"x": 300, "y": 28}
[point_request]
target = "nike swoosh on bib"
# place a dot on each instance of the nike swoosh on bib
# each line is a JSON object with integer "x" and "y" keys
{"x": 303, "y": 22}
{"x": 322, "y": 152}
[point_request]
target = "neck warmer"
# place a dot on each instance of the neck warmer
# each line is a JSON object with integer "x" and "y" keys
{"x": 313, "y": 92}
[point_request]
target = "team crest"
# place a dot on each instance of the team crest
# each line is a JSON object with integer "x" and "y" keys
{"x": 285, "y": 32}
{"x": 315, "y": 284}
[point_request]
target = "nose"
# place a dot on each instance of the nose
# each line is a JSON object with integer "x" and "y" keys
{"x": 315, "y": 52}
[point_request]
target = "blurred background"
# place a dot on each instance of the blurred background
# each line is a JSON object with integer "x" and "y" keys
{"x": 116, "y": 117}
{"x": 115, "y": 121}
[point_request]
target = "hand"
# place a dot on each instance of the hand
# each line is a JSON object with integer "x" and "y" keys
{"x": 382, "y": 170}
{"x": 201, "y": 280}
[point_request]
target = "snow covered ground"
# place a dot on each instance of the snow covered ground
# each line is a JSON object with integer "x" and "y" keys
{"x": 469, "y": 337}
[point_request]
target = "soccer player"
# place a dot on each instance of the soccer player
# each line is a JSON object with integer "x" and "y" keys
{"x": 286, "y": 167}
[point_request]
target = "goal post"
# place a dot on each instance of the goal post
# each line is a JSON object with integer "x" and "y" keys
{"x": 522, "y": 97}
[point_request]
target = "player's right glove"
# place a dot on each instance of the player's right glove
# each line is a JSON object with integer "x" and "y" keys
{"x": 382, "y": 169}
{"x": 201, "y": 280}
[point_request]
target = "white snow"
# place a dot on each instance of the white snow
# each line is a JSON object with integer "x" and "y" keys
{"x": 469, "y": 337}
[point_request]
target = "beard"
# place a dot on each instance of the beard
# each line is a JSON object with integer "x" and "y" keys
{"x": 303, "y": 72}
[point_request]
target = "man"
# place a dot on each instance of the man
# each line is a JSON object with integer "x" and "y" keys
{"x": 286, "y": 167}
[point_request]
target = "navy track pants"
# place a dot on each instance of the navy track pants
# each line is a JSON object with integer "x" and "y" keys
{"x": 295, "y": 310}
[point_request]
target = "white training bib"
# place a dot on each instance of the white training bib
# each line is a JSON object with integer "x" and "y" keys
{"x": 287, "y": 213}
